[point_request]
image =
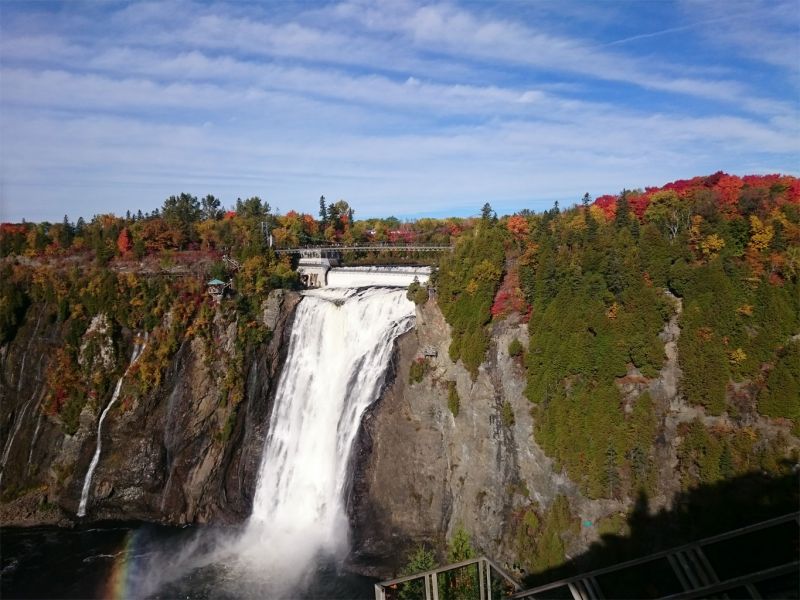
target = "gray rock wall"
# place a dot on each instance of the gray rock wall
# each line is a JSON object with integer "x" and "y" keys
{"x": 164, "y": 456}
{"x": 423, "y": 472}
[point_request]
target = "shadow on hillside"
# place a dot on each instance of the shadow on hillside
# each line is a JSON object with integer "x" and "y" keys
{"x": 695, "y": 514}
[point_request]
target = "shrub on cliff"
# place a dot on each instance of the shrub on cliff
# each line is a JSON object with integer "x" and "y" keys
{"x": 507, "y": 414}
{"x": 540, "y": 536}
{"x": 419, "y": 368}
{"x": 417, "y": 293}
{"x": 453, "y": 400}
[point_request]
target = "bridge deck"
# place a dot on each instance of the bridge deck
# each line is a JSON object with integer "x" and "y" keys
{"x": 365, "y": 248}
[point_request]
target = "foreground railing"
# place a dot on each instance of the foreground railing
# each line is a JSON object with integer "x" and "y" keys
{"x": 757, "y": 561}
{"x": 476, "y": 578}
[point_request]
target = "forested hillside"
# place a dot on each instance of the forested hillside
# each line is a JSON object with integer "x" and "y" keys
{"x": 598, "y": 282}
{"x": 148, "y": 272}
{"x": 641, "y": 343}
{"x": 590, "y": 280}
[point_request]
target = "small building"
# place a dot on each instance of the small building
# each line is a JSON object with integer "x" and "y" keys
{"x": 216, "y": 289}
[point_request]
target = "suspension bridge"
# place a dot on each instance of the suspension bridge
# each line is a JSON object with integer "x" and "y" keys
{"x": 338, "y": 249}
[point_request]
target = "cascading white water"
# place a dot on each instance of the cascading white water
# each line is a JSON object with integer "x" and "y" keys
{"x": 339, "y": 351}
{"x": 87, "y": 481}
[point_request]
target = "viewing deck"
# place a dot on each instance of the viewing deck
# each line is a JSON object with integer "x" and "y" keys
{"x": 757, "y": 561}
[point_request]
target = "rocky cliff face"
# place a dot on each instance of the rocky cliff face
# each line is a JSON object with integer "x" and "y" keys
{"x": 176, "y": 454}
{"x": 424, "y": 471}
{"x": 179, "y": 454}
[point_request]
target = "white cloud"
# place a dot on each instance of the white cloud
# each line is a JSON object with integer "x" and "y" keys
{"x": 770, "y": 33}
{"x": 405, "y": 104}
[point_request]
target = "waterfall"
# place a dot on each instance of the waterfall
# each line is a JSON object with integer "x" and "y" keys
{"x": 87, "y": 482}
{"x": 339, "y": 351}
{"x": 341, "y": 343}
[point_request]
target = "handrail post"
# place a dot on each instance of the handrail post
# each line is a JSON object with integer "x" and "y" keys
{"x": 380, "y": 593}
{"x": 488, "y": 581}
{"x": 435, "y": 586}
{"x": 481, "y": 591}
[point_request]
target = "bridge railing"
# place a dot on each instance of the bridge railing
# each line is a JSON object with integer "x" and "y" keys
{"x": 380, "y": 247}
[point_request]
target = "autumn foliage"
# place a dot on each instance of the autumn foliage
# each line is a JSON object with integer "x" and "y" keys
{"x": 726, "y": 192}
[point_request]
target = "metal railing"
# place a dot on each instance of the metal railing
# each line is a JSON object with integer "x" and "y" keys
{"x": 364, "y": 248}
{"x": 492, "y": 582}
{"x": 700, "y": 569}
{"x": 691, "y": 572}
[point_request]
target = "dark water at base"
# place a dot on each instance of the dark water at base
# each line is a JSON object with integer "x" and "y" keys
{"x": 110, "y": 560}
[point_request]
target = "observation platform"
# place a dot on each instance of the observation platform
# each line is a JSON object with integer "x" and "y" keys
{"x": 757, "y": 561}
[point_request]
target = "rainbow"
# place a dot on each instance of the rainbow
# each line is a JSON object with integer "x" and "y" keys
{"x": 120, "y": 582}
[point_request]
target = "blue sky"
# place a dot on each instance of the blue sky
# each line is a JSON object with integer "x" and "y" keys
{"x": 402, "y": 107}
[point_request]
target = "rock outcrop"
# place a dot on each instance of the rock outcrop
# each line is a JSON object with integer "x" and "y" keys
{"x": 178, "y": 454}
{"x": 423, "y": 471}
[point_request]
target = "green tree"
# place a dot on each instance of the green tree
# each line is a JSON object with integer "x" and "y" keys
{"x": 180, "y": 213}
{"x": 417, "y": 293}
{"x": 66, "y": 233}
{"x": 184, "y": 209}
{"x": 253, "y": 208}
{"x": 460, "y": 584}
{"x": 780, "y": 397}
{"x": 14, "y": 302}
{"x": 550, "y": 549}
{"x": 611, "y": 472}
{"x": 668, "y": 212}
{"x": 487, "y": 213}
{"x": 323, "y": 213}
{"x": 211, "y": 208}
{"x": 622, "y": 217}
{"x": 467, "y": 280}
{"x": 420, "y": 560}
{"x": 460, "y": 546}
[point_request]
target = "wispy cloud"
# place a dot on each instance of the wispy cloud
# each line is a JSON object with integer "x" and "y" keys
{"x": 425, "y": 106}
{"x": 770, "y": 34}
{"x": 681, "y": 28}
